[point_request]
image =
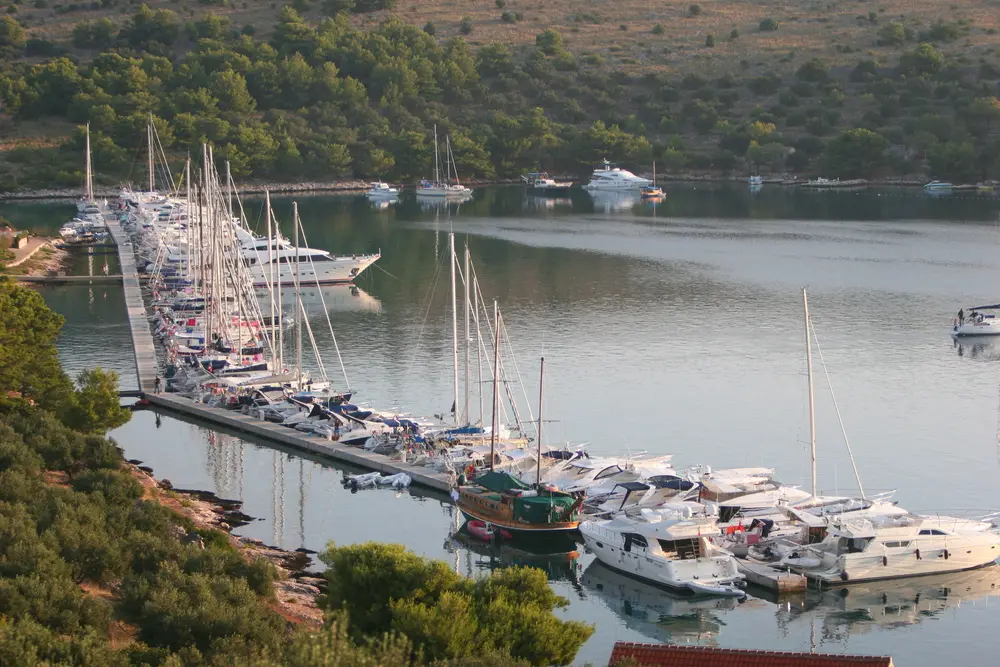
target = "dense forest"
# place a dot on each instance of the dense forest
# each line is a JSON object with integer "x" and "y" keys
{"x": 95, "y": 571}
{"x": 336, "y": 98}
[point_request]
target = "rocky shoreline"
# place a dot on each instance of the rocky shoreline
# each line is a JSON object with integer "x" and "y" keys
{"x": 361, "y": 186}
{"x": 296, "y": 588}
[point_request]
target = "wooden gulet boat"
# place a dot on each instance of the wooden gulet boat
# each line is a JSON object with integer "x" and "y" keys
{"x": 504, "y": 501}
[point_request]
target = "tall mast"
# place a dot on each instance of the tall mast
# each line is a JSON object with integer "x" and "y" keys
{"x": 437, "y": 171}
{"x": 538, "y": 458}
{"x": 149, "y": 155}
{"x": 276, "y": 282}
{"x": 812, "y": 403}
{"x": 229, "y": 193}
{"x": 298, "y": 310}
{"x": 496, "y": 382}
{"x": 190, "y": 217}
{"x": 269, "y": 276}
{"x": 468, "y": 419}
{"x": 452, "y": 260}
{"x": 89, "y": 182}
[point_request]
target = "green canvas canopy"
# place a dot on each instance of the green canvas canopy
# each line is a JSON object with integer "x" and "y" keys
{"x": 500, "y": 482}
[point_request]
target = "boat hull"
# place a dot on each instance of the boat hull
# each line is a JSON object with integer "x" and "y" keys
{"x": 475, "y": 514}
{"x": 337, "y": 270}
{"x": 975, "y": 330}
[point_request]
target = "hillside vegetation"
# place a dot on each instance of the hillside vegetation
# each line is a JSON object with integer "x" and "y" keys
{"x": 352, "y": 88}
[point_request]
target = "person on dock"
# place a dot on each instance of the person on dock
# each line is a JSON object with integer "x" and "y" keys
{"x": 156, "y": 384}
{"x": 961, "y": 315}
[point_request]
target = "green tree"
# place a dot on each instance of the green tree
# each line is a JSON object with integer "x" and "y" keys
{"x": 953, "y": 161}
{"x": 12, "y": 38}
{"x": 149, "y": 30}
{"x": 29, "y": 363}
{"x": 95, "y": 406}
{"x": 334, "y": 7}
{"x": 856, "y": 153}
{"x": 892, "y": 34}
{"x": 384, "y": 588}
{"x": 99, "y": 34}
{"x": 813, "y": 70}
{"x": 549, "y": 42}
{"x": 924, "y": 59}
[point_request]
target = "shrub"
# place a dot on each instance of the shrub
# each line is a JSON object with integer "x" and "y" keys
{"x": 813, "y": 70}
{"x": 768, "y": 25}
{"x": 658, "y": 29}
{"x": 892, "y": 34}
{"x": 429, "y": 28}
{"x": 508, "y": 17}
{"x": 500, "y": 3}
{"x": 710, "y": 40}
{"x": 694, "y": 10}
{"x": 465, "y": 27}
{"x": 734, "y": 34}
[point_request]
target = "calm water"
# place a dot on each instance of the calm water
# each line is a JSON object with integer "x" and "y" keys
{"x": 675, "y": 329}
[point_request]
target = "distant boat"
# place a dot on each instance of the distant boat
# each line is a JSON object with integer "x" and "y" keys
{"x": 978, "y": 323}
{"x": 651, "y": 191}
{"x": 611, "y": 177}
{"x": 829, "y": 184}
{"x": 445, "y": 189}
{"x": 938, "y": 186}
{"x": 756, "y": 180}
{"x": 380, "y": 190}
{"x": 540, "y": 183}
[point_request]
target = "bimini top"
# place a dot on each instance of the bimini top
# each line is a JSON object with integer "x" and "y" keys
{"x": 995, "y": 306}
{"x": 500, "y": 482}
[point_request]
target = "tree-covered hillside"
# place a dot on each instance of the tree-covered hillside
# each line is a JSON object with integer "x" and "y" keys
{"x": 355, "y": 89}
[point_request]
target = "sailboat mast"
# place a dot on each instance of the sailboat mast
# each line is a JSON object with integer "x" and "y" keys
{"x": 437, "y": 170}
{"x": 452, "y": 260}
{"x": 538, "y": 457}
{"x": 149, "y": 156}
{"x": 812, "y": 402}
{"x": 269, "y": 276}
{"x": 190, "y": 218}
{"x": 276, "y": 283}
{"x": 496, "y": 382}
{"x": 298, "y": 310}
{"x": 229, "y": 193}
{"x": 89, "y": 182}
{"x": 468, "y": 419}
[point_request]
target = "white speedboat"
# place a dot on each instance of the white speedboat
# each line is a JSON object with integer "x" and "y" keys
{"x": 539, "y": 182}
{"x": 380, "y": 190}
{"x": 756, "y": 180}
{"x": 977, "y": 323}
{"x": 859, "y": 549}
{"x": 675, "y": 553}
{"x": 611, "y": 177}
{"x": 938, "y": 186}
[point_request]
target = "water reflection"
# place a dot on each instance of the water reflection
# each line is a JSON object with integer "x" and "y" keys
{"x": 540, "y": 202}
{"x": 654, "y": 612}
{"x": 608, "y": 201}
{"x": 337, "y": 298}
{"x": 862, "y": 608}
{"x": 980, "y": 349}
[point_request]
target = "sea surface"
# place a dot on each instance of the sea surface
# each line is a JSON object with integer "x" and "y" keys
{"x": 674, "y": 328}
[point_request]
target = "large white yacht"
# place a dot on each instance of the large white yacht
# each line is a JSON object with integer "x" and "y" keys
{"x": 315, "y": 266}
{"x": 861, "y": 549}
{"x": 675, "y": 552}
{"x": 611, "y": 177}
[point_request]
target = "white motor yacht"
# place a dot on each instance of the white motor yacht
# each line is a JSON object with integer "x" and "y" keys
{"x": 611, "y": 177}
{"x": 866, "y": 549}
{"x": 380, "y": 190}
{"x": 675, "y": 552}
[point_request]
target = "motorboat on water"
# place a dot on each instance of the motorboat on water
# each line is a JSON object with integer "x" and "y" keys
{"x": 608, "y": 176}
{"x": 977, "y": 323}
{"x": 938, "y": 186}
{"x": 540, "y": 183}
{"x": 867, "y": 549}
{"x": 755, "y": 180}
{"x": 674, "y": 552}
{"x": 381, "y": 190}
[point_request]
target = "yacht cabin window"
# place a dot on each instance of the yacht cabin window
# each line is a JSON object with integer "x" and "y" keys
{"x": 932, "y": 531}
{"x": 683, "y": 549}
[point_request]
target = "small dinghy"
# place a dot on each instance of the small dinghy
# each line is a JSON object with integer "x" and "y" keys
{"x": 718, "y": 590}
{"x": 484, "y": 531}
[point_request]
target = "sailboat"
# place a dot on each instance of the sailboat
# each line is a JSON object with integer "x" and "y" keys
{"x": 651, "y": 191}
{"x": 444, "y": 189}
{"x": 86, "y": 204}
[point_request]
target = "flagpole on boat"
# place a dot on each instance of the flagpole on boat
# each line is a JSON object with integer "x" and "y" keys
{"x": 812, "y": 401}
{"x": 538, "y": 458}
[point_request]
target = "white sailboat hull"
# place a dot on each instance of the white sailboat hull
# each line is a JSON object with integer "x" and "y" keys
{"x": 988, "y": 327}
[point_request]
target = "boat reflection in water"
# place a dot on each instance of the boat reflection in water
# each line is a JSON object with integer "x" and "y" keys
{"x": 556, "y": 555}
{"x": 656, "y": 613}
{"x": 612, "y": 200}
{"x": 383, "y": 204}
{"x": 543, "y": 203}
{"x": 338, "y": 298}
{"x": 982, "y": 348}
{"x": 862, "y": 608}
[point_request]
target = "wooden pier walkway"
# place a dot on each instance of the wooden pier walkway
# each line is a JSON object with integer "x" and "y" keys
{"x": 146, "y": 367}
{"x": 302, "y": 441}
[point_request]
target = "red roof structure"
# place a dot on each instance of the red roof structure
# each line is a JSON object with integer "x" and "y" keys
{"x": 664, "y": 655}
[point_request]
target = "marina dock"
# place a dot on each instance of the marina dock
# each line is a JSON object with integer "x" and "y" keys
{"x": 776, "y": 581}
{"x": 147, "y": 369}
